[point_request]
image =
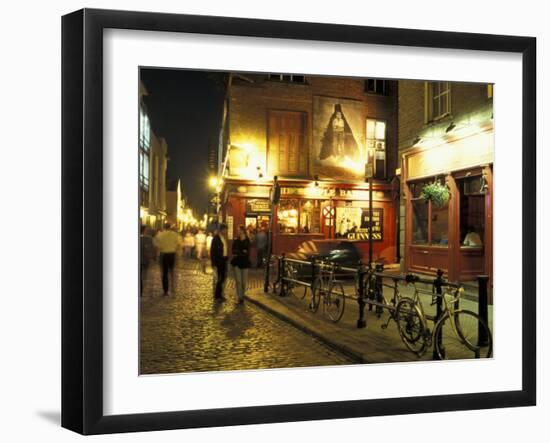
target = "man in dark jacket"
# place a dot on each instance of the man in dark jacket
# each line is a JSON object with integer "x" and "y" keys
{"x": 219, "y": 252}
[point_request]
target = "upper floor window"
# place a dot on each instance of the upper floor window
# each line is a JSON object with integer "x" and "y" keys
{"x": 291, "y": 78}
{"x": 376, "y": 146}
{"x": 376, "y": 86}
{"x": 438, "y": 100}
{"x": 144, "y": 129}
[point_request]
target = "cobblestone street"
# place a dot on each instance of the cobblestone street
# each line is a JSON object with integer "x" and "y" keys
{"x": 188, "y": 331}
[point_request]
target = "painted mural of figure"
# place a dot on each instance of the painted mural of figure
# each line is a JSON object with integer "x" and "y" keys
{"x": 338, "y": 140}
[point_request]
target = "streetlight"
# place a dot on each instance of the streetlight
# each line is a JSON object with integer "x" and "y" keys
{"x": 213, "y": 182}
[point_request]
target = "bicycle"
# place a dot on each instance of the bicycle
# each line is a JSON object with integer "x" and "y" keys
{"x": 291, "y": 282}
{"x": 327, "y": 288}
{"x": 287, "y": 281}
{"x": 457, "y": 334}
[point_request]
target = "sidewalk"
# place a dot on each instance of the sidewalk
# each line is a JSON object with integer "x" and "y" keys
{"x": 367, "y": 345}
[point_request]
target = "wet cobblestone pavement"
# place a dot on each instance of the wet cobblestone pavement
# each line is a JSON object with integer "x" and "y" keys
{"x": 189, "y": 332}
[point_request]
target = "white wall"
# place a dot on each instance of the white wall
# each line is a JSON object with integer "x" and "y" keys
{"x": 30, "y": 257}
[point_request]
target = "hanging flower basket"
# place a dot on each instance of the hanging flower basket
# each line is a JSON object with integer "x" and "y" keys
{"x": 435, "y": 192}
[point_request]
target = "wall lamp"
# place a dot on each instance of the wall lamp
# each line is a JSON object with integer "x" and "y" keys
{"x": 450, "y": 127}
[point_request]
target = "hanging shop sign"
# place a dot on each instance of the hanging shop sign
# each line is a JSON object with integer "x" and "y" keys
{"x": 257, "y": 205}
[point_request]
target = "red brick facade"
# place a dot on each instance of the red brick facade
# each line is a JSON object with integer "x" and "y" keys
{"x": 255, "y": 106}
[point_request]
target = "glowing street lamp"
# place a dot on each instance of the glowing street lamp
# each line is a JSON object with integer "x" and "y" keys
{"x": 213, "y": 181}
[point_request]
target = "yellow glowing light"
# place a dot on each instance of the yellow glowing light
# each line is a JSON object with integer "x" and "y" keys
{"x": 247, "y": 161}
{"x": 213, "y": 181}
{"x": 355, "y": 166}
{"x": 313, "y": 191}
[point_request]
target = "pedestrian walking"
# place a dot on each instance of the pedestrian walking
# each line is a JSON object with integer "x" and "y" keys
{"x": 218, "y": 256}
{"x": 146, "y": 255}
{"x": 168, "y": 241}
{"x": 188, "y": 244}
{"x": 261, "y": 247}
{"x": 200, "y": 244}
{"x": 209, "y": 238}
{"x": 241, "y": 262}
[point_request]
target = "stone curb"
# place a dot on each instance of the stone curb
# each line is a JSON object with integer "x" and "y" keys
{"x": 333, "y": 344}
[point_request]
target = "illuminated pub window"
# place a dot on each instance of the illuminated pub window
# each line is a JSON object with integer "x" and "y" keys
{"x": 376, "y": 146}
{"x": 310, "y": 217}
{"x": 144, "y": 150}
{"x": 472, "y": 211}
{"x": 287, "y": 216}
{"x": 430, "y": 224}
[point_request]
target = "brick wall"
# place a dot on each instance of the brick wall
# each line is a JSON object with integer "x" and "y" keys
{"x": 250, "y": 103}
{"x": 466, "y": 99}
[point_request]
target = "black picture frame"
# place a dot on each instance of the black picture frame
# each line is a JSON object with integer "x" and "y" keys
{"x": 82, "y": 230}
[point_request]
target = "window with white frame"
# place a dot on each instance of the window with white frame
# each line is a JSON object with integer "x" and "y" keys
{"x": 144, "y": 153}
{"x": 438, "y": 100}
{"x": 376, "y": 146}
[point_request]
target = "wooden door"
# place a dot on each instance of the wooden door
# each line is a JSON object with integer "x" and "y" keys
{"x": 286, "y": 144}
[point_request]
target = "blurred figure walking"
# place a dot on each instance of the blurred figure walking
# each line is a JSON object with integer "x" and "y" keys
{"x": 241, "y": 262}
{"x": 168, "y": 242}
{"x": 200, "y": 244}
{"x": 219, "y": 252}
{"x": 188, "y": 244}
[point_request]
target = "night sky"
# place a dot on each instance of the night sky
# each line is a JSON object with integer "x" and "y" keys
{"x": 185, "y": 108}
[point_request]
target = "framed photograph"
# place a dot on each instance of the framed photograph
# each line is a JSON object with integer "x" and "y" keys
{"x": 269, "y": 221}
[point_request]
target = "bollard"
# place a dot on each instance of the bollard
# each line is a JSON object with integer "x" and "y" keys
{"x": 312, "y": 260}
{"x": 438, "y": 286}
{"x": 378, "y": 287}
{"x": 266, "y": 274}
{"x": 283, "y": 282}
{"x": 361, "y": 321}
{"x": 483, "y": 309}
{"x": 371, "y": 287}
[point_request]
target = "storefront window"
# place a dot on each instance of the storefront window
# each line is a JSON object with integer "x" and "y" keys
{"x": 287, "y": 216}
{"x": 472, "y": 211}
{"x": 440, "y": 225}
{"x": 430, "y": 224}
{"x": 420, "y": 222}
{"x": 310, "y": 217}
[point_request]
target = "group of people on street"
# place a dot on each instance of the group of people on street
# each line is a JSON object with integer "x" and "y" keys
{"x": 166, "y": 244}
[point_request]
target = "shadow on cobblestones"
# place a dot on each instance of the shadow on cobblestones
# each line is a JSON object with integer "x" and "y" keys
{"x": 189, "y": 332}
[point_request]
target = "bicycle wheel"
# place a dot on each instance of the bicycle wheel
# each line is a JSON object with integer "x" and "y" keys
{"x": 301, "y": 293}
{"x": 335, "y": 302}
{"x": 411, "y": 325}
{"x": 316, "y": 294}
{"x": 469, "y": 337}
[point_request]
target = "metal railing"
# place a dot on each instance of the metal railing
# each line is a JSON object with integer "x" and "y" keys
{"x": 369, "y": 284}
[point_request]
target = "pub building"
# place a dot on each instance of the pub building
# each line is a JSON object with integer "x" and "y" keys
{"x": 446, "y": 136}
{"x": 317, "y": 135}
